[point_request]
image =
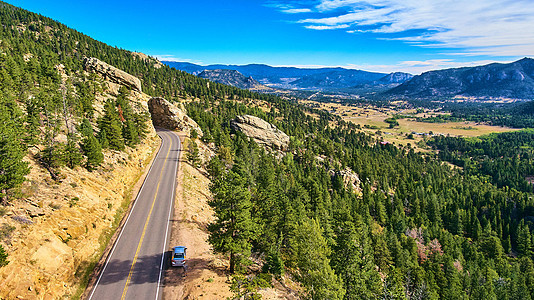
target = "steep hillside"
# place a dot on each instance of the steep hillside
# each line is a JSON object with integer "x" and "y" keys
{"x": 513, "y": 80}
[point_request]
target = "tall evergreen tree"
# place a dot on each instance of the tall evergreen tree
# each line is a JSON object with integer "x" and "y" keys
{"x": 353, "y": 261}
{"x": 311, "y": 253}
{"x": 93, "y": 151}
{"x": 232, "y": 231}
{"x": 110, "y": 127}
{"x": 3, "y": 257}
{"x": 12, "y": 151}
{"x": 71, "y": 152}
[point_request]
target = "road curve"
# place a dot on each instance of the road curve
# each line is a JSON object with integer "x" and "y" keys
{"x": 133, "y": 269}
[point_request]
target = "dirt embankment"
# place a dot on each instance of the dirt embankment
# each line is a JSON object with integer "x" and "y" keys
{"x": 58, "y": 230}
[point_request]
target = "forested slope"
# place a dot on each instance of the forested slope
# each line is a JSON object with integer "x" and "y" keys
{"x": 419, "y": 230}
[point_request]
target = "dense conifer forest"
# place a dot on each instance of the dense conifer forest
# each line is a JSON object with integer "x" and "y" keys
{"x": 416, "y": 228}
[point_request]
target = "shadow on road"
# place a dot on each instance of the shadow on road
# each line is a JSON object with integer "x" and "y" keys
{"x": 146, "y": 269}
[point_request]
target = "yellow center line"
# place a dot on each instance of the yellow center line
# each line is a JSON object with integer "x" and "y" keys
{"x": 144, "y": 228}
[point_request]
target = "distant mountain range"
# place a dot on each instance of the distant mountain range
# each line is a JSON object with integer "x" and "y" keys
{"x": 514, "y": 80}
{"x": 233, "y": 78}
{"x": 320, "y": 79}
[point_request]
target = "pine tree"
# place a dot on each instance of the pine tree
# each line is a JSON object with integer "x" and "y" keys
{"x": 32, "y": 121}
{"x": 12, "y": 168}
{"x": 71, "y": 152}
{"x": 129, "y": 132}
{"x": 193, "y": 154}
{"x": 353, "y": 261}
{"x": 85, "y": 128}
{"x": 3, "y": 257}
{"x": 311, "y": 253}
{"x": 140, "y": 121}
{"x": 110, "y": 127}
{"x": 524, "y": 243}
{"x": 232, "y": 230}
{"x": 92, "y": 149}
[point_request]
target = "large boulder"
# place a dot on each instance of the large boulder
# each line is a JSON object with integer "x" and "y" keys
{"x": 112, "y": 74}
{"x": 261, "y": 131}
{"x": 169, "y": 116}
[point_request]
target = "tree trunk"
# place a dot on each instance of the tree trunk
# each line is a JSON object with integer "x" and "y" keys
{"x": 232, "y": 262}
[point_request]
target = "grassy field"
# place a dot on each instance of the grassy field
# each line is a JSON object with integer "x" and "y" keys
{"x": 371, "y": 119}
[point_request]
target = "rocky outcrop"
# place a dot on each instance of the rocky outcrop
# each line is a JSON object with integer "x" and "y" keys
{"x": 111, "y": 73}
{"x": 262, "y": 132}
{"x": 169, "y": 116}
{"x": 350, "y": 179}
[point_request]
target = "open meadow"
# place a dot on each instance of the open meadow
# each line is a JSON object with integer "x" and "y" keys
{"x": 372, "y": 119}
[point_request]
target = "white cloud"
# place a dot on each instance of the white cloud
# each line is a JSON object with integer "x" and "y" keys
{"x": 326, "y": 27}
{"x": 289, "y": 8}
{"x": 296, "y": 10}
{"x": 475, "y": 27}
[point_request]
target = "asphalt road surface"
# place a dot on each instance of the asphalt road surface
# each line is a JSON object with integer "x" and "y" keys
{"x": 134, "y": 267}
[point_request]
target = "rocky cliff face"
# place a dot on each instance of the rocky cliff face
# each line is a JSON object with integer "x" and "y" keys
{"x": 169, "y": 116}
{"x": 111, "y": 73}
{"x": 262, "y": 132}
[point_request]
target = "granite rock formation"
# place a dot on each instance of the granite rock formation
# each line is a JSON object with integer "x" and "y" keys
{"x": 168, "y": 115}
{"x": 261, "y": 131}
{"x": 112, "y": 74}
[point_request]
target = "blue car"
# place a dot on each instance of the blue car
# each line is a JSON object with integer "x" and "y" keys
{"x": 178, "y": 256}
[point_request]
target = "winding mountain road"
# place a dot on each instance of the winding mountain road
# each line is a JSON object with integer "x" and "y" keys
{"x": 134, "y": 267}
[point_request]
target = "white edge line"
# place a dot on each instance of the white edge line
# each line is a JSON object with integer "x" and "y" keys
{"x": 125, "y": 223}
{"x": 169, "y": 217}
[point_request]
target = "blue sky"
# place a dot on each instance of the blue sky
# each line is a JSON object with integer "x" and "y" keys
{"x": 375, "y": 35}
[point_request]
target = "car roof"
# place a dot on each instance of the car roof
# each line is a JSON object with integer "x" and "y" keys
{"x": 179, "y": 249}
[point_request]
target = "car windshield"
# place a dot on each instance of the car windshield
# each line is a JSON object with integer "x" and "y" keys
{"x": 178, "y": 255}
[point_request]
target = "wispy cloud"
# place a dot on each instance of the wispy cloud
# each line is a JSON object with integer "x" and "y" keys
{"x": 475, "y": 27}
{"x": 296, "y": 10}
{"x": 327, "y": 27}
{"x": 289, "y": 8}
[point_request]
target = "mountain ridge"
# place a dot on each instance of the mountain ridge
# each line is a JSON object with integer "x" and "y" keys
{"x": 513, "y": 80}
{"x": 231, "y": 77}
{"x": 323, "y": 79}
